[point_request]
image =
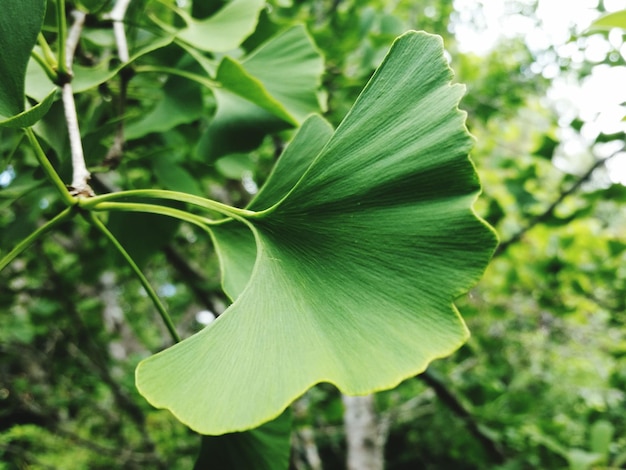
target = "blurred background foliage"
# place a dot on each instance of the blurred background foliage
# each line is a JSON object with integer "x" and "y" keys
{"x": 541, "y": 382}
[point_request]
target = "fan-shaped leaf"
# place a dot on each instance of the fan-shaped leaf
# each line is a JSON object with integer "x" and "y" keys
{"x": 281, "y": 76}
{"x": 357, "y": 265}
{"x": 225, "y": 30}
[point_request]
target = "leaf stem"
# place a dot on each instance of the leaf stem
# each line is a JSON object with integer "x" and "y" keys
{"x": 142, "y": 278}
{"x": 26, "y": 242}
{"x": 62, "y": 34}
{"x": 48, "y": 168}
{"x": 50, "y": 72}
{"x": 169, "y": 195}
{"x": 155, "y": 209}
{"x": 181, "y": 73}
{"x": 47, "y": 51}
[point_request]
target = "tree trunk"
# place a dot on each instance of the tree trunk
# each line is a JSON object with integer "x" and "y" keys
{"x": 365, "y": 442}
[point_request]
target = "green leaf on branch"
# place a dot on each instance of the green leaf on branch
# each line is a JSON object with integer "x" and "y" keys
{"x": 20, "y": 23}
{"x": 273, "y": 88}
{"x": 180, "y": 102}
{"x": 238, "y": 126}
{"x": 357, "y": 264}
{"x": 281, "y": 76}
{"x": 225, "y": 30}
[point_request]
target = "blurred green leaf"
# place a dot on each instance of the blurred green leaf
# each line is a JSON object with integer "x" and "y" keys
{"x": 38, "y": 84}
{"x": 609, "y": 21}
{"x": 235, "y": 166}
{"x": 275, "y": 87}
{"x": 282, "y": 75}
{"x": 142, "y": 235}
{"x": 264, "y": 448}
{"x": 180, "y": 102}
{"x": 601, "y": 436}
{"x": 174, "y": 177}
{"x": 238, "y": 126}
{"x": 225, "y": 30}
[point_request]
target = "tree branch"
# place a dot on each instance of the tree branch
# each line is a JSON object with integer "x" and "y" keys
{"x": 80, "y": 174}
{"x": 117, "y": 15}
{"x": 453, "y": 403}
{"x": 551, "y": 208}
{"x": 364, "y": 441}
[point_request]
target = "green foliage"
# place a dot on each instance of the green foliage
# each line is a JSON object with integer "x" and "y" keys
{"x": 341, "y": 268}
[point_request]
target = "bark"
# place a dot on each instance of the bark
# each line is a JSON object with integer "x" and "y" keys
{"x": 364, "y": 439}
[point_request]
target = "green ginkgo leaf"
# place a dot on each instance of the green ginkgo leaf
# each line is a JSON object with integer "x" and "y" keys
{"x": 20, "y": 23}
{"x": 357, "y": 264}
{"x": 272, "y": 89}
{"x": 281, "y": 76}
{"x": 226, "y": 29}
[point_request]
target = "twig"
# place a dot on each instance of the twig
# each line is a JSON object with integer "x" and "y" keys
{"x": 117, "y": 15}
{"x": 551, "y": 208}
{"x": 80, "y": 174}
{"x": 73, "y": 36}
{"x": 452, "y": 402}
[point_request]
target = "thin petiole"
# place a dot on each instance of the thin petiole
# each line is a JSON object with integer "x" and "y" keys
{"x": 26, "y": 242}
{"x": 169, "y": 195}
{"x": 62, "y": 35}
{"x": 181, "y": 73}
{"x": 48, "y": 168}
{"x": 142, "y": 278}
{"x": 47, "y": 52}
{"x": 153, "y": 209}
{"x": 50, "y": 72}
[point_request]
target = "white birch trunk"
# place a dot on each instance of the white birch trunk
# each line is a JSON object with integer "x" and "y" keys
{"x": 364, "y": 439}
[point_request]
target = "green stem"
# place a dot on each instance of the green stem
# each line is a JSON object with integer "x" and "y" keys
{"x": 144, "y": 281}
{"x": 181, "y": 73}
{"x": 172, "y": 196}
{"x": 155, "y": 209}
{"x": 48, "y": 168}
{"x": 52, "y": 75}
{"x": 47, "y": 51}
{"x": 62, "y": 35}
{"x": 26, "y": 242}
{"x": 9, "y": 157}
